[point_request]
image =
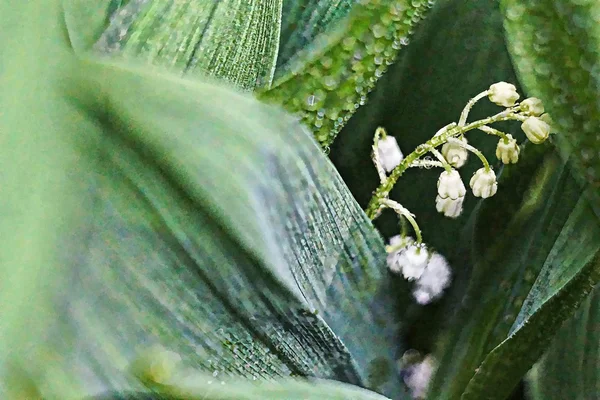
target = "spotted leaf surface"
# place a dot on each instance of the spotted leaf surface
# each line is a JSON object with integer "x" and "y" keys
{"x": 556, "y": 48}
{"x": 330, "y": 79}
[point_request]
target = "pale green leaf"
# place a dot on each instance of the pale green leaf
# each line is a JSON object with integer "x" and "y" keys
{"x": 86, "y": 20}
{"x": 143, "y": 208}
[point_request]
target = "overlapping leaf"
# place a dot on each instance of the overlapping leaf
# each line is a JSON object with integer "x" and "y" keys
{"x": 142, "y": 208}
{"x": 530, "y": 273}
{"x": 556, "y": 49}
{"x": 570, "y": 368}
{"x": 330, "y": 78}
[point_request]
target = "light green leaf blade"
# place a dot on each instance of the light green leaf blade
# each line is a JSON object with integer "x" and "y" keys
{"x": 556, "y": 50}
{"x": 529, "y": 275}
{"x": 330, "y": 78}
{"x": 236, "y": 41}
{"x": 203, "y": 387}
{"x": 570, "y": 369}
{"x": 192, "y": 216}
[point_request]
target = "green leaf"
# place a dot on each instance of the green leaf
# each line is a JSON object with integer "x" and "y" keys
{"x": 303, "y": 20}
{"x": 330, "y": 78}
{"x": 530, "y": 273}
{"x": 236, "y": 41}
{"x": 202, "y": 387}
{"x": 569, "y": 369}
{"x": 143, "y": 208}
{"x": 556, "y": 49}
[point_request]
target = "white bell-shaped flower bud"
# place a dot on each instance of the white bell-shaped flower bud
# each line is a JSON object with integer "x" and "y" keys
{"x": 451, "y": 185}
{"x": 536, "y": 129}
{"x": 398, "y": 244}
{"x": 532, "y": 106}
{"x": 450, "y": 207}
{"x": 455, "y": 154}
{"x": 483, "y": 183}
{"x": 413, "y": 261}
{"x": 508, "y": 151}
{"x": 503, "y": 94}
{"x": 418, "y": 377}
{"x": 390, "y": 154}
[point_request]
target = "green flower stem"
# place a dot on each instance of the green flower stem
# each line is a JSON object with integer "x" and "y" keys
{"x": 440, "y": 157}
{"x": 473, "y": 150}
{"x": 404, "y": 213}
{"x": 495, "y": 132}
{"x": 383, "y": 191}
{"x": 465, "y": 112}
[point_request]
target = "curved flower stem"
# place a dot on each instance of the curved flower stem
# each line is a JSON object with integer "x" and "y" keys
{"x": 442, "y": 159}
{"x": 383, "y": 191}
{"x": 495, "y": 132}
{"x": 465, "y": 112}
{"x": 403, "y": 212}
{"x": 473, "y": 150}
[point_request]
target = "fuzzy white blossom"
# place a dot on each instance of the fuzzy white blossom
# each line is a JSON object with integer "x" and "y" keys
{"x": 451, "y": 208}
{"x": 406, "y": 257}
{"x": 536, "y": 129}
{"x": 398, "y": 244}
{"x": 508, "y": 152}
{"x": 418, "y": 376}
{"x": 433, "y": 280}
{"x": 450, "y": 185}
{"x": 532, "y": 106}
{"x": 455, "y": 154}
{"x": 483, "y": 183}
{"x": 389, "y": 152}
{"x": 503, "y": 94}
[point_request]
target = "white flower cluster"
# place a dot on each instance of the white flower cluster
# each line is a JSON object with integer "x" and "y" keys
{"x": 430, "y": 271}
{"x": 418, "y": 375}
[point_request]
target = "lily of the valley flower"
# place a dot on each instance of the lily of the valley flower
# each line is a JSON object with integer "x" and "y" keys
{"x": 407, "y": 257}
{"x": 448, "y": 206}
{"x": 508, "y": 150}
{"x": 532, "y": 106}
{"x": 503, "y": 94}
{"x": 536, "y": 129}
{"x": 455, "y": 154}
{"x": 433, "y": 280}
{"x": 483, "y": 183}
{"x": 450, "y": 185}
{"x": 390, "y": 154}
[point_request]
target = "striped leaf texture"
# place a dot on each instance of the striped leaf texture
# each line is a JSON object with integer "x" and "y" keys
{"x": 141, "y": 208}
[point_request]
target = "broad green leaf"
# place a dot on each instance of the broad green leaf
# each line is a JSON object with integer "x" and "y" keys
{"x": 570, "y": 368}
{"x": 143, "y": 208}
{"x": 330, "y": 78}
{"x": 204, "y": 388}
{"x": 556, "y": 48}
{"x": 530, "y": 273}
{"x": 233, "y": 40}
